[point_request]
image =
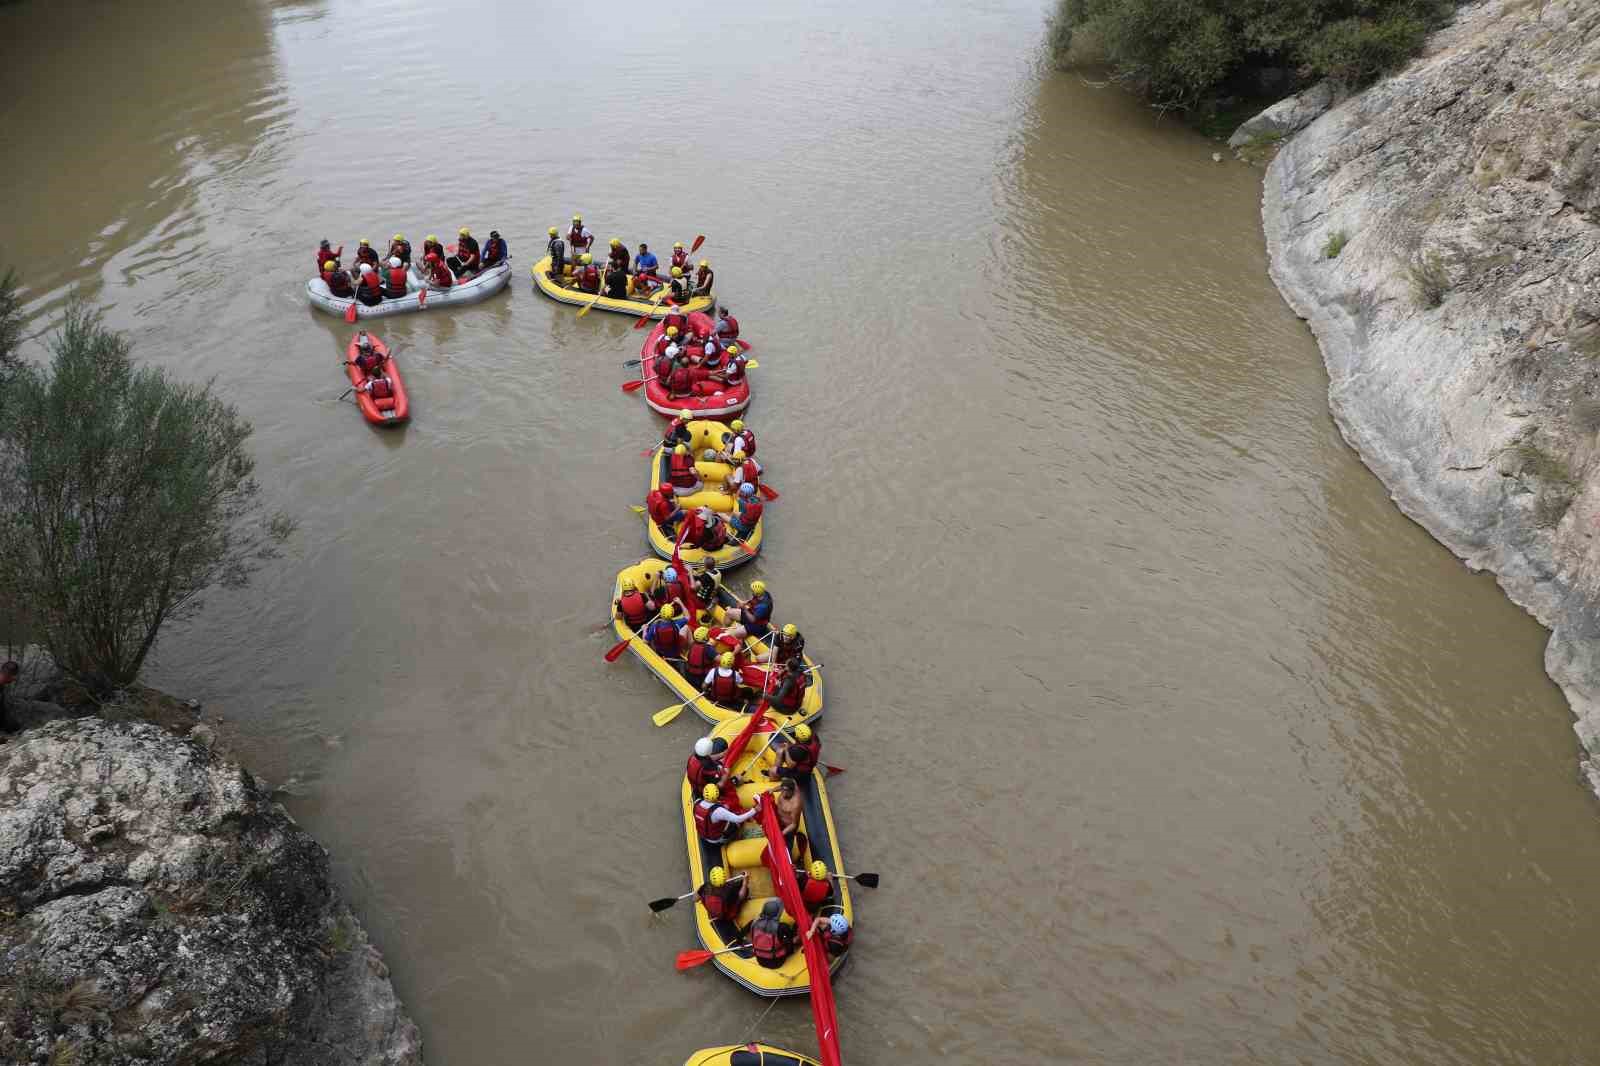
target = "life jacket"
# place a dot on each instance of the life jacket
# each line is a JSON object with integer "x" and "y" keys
{"x": 760, "y": 607}
{"x": 814, "y": 893}
{"x": 697, "y": 374}
{"x": 440, "y": 274}
{"x": 694, "y": 352}
{"x": 339, "y": 284}
{"x": 749, "y": 471}
{"x": 681, "y": 290}
{"x": 680, "y": 468}
{"x": 589, "y": 278}
{"x": 397, "y": 282}
{"x": 680, "y": 382}
{"x": 325, "y": 254}
{"x": 558, "y": 251}
{"x": 680, "y": 258}
{"x": 432, "y": 247}
{"x": 750, "y": 512}
{"x": 674, "y": 590}
{"x": 721, "y": 902}
{"x": 734, "y": 370}
{"x": 804, "y": 756}
{"x": 373, "y": 282}
{"x": 661, "y": 507}
{"x": 495, "y": 251}
{"x": 382, "y": 389}
{"x": 366, "y": 361}
{"x": 707, "y": 830}
{"x": 725, "y": 687}
{"x": 768, "y": 942}
{"x": 575, "y": 237}
{"x": 837, "y": 944}
{"x": 791, "y": 693}
{"x": 663, "y": 368}
{"x": 467, "y": 247}
{"x": 744, "y": 441}
{"x": 635, "y": 609}
{"x": 400, "y": 250}
{"x": 663, "y": 637}
{"x": 786, "y": 648}
{"x": 368, "y": 255}
{"x": 674, "y": 319}
{"x": 700, "y": 658}
{"x": 703, "y": 279}
{"x": 728, "y": 327}
{"x": 713, "y": 536}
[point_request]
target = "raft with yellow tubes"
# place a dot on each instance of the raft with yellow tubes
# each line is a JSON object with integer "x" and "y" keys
{"x": 704, "y": 434}
{"x": 748, "y": 1055}
{"x": 646, "y": 307}
{"x": 646, "y": 575}
{"x": 744, "y": 856}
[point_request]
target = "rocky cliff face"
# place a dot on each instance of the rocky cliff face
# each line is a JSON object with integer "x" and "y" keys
{"x": 157, "y": 907}
{"x": 1461, "y": 321}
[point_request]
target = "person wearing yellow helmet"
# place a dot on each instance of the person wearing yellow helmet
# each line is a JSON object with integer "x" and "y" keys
{"x": 431, "y": 246}
{"x": 682, "y": 287}
{"x": 579, "y": 237}
{"x": 733, "y": 366}
{"x": 722, "y": 896}
{"x": 789, "y": 645}
{"x": 704, "y": 278}
{"x": 740, "y": 439}
{"x": 666, "y": 634}
{"x": 724, "y": 685}
{"x": 645, "y": 266}
{"x": 753, "y": 616}
{"x": 699, "y": 658}
{"x": 680, "y": 257}
{"x": 681, "y": 472}
{"x": 617, "y": 254}
{"x": 338, "y": 279}
{"x": 746, "y": 471}
{"x": 326, "y": 253}
{"x": 367, "y": 254}
{"x": 635, "y": 607}
{"x": 468, "y": 259}
{"x": 727, "y": 325}
{"x": 798, "y": 753}
{"x": 587, "y": 277}
{"x": 714, "y": 822}
{"x": 400, "y": 248}
{"x": 816, "y": 887}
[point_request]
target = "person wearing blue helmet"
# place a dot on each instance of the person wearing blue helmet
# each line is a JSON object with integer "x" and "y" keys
{"x": 749, "y": 513}
{"x": 835, "y": 931}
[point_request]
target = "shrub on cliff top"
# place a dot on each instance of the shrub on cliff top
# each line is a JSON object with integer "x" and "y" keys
{"x": 123, "y": 496}
{"x": 1179, "y": 53}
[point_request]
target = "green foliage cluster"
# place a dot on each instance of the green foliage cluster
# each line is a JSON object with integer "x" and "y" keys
{"x": 1335, "y": 244}
{"x": 1181, "y": 53}
{"x": 123, "y": 496}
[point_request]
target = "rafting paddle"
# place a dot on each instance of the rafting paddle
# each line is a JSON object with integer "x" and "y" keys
{"x": 688, "y": 960}
{"x": 635, "y": 385}
{"x": 666, "y": 715}
{"x": 767, "y": 490}
{"x": 622, "y": 645}
{"x": 350, "y": 312}
{"x": 698, "y": 241}
{"x": 865, "y": 880}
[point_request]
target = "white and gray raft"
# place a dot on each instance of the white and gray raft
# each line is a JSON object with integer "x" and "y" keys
{"x": 480, "y": 287}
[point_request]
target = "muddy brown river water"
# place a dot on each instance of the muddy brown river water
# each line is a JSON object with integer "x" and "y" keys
{"x": 1172, "y": 739}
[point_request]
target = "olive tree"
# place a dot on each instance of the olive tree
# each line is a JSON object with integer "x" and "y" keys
{"x": 124, "y": 495}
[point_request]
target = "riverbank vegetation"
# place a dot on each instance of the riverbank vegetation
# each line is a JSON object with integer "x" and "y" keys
{"x": 124, "y": 495}
{"x": 1200, "y": 55}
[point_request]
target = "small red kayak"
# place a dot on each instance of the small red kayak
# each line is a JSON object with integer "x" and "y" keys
{"x": 710, "y": 400}
{"x": 386, "y": 410}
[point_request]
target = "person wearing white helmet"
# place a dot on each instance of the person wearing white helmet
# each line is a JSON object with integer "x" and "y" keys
{"x": 370, "y": 289}
{"x": 394, "y": 285}
{"x": 705, "y": 762}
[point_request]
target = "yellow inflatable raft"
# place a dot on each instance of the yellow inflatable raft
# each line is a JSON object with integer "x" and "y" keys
{"x": 704, "y": 435}
{"x": 646, "y": 575}
{"x": 744, "y": 856}
{"x": 748, "y": 1055}
{"x": 563, "y": 292}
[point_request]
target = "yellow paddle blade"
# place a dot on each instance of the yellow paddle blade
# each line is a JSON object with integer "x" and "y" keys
{"x": 666, "y": 715}
{"x": 586, "y": 308}
{"x": 751, "y": 364}
{"x": 635, "y": 508}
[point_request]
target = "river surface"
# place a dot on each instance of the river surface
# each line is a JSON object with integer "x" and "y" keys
{"x": 1172, "y": 739}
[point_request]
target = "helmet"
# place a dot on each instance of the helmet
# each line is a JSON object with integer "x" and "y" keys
{"x": 791, "y": 630}
{"x": 366, "y": 268}
{"x": 677, "y": 272}
{"x": 672, "y": 331}
{"x": 328, "y": 265}
{"x": 838, "y": 924}
{"x": 616, "y": 240}
{"x": 554, "y": 232}
{"x": 702, "y": 633}
{"x": 818, "y": 870}
{"x": 628, "y": 585}
{"x": 702, "y": 747}
{"x": 464, "y": 232}
{"x": 682, "y": 449}
{"x": 577, "y": 218}
{"x": 705, "y": 262}
{"x": 718, "y": 877}
{"x": 398, "y": 237}
{"x": 684, "y": 412}
{"x": 710, "y": 793}
{"x": 726, "y": 660}
{"x": 758, "y": 587}
{"x": 738, "y": 453}
{"x": 365, "y": 243}
{"x": 433, "y": 238}
{"x": 363, "y": 341}
{"x": 672, "y": 350}
{"x": 737, "y": 424}
{"x": 771, "y": 909}
{"x": 677, "y": 244}
{"x": 669, "y": 612}
{"x": 733, "y": 349}
{"x": 802, "y": 732}
{"x": 394, "y": 262}
{"x": 747, "y": 489}
{"x": 709, "y": 455}
{"x": 669, "y": 574}
{"x": 325, "y": 243}
{"x": 587, "y": 259}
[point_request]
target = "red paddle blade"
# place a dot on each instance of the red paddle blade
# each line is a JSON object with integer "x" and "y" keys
{"x": 616, "y": 652}
{"x": 422, "y": 297}
{"x": 450, "y": 249}
{"x": 648, "y": 454}
{"x": 767, "y": 490}
{"x": 350, "y": 312}
{"x": 688, "y": 960}
{"x": 644, "y": 320}
{"x": 633, "y": 386}
{"x": 698, "y": 241}
{"x": 833, "y": 770}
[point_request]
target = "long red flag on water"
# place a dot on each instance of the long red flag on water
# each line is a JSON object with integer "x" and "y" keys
{"x": 823, "y": 1012}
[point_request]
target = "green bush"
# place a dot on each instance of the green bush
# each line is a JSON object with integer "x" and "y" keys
{"x": 123, "y": 497}
{"x": 1430, "y": 281}
{"x": 1181, "y": 53}
{"x": 1335, "y": 244}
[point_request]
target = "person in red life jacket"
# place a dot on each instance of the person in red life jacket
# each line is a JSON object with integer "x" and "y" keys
{"x": 634, "y": 607}
{"x": 468, "y": 259}
{"x": 370, "y": 290}
{"x": 699, "y": 658}
{"x": 379, "y": 387}
{"x": 722, "y": 896}
{"x": 616, "y": 281}
{"x": 617, "y": 254}
{"x": 740, "y": 440}
{"x": 339, "y": 283}
{"x": 703, "y": 279}
{"x": 733, "y": 370}
{"x": 366, "y": 254}
{"x": 665, "y": 634}
{"x": 746, "y": 471}
{"x": 580, "y": 239}
{"x": 835, "y": 931}
{"x": 699, "y": 376}
{"x": 678, "y": 431}
{"x": 749, "y": 513}
{"x": 10, "y": 670}
{"x": 713, "y": 357}
{"x": 674, "y": 589}
{"x": 668, "y": 338}
{"x": 816, "y": 888}
{"x": 680, "y": 258}
{"x": 798, "y": 757}
{"x": 680, "y": 382}
{"x": 709, "y": 533}
{"x": 724, "y": 685}
{"x": 676, "y": 320}
{"x": 715, "y": 823}
{"x": 705, "y": 763}
{"x": 439, "y": 276}
{"x": 368, "y": 359}
{"x": 727, "y": 325}
{"x": 663, "y": 509}
{"x": 394, "y": 279}
{"x": 400, "y": 248}
{"x": 790, "y": 692}
{"x": 661, "y": 369}
{"x": 753, "y": 617}
{"x": 789, "y": 646}
{"x": 326, "y": 253}
{"x": 587, "y": 277}
{"x": 682, "y": 288}
{"x": 771, "y": 938}
{"x": 681, "y": 473}
{"x": 495, "y": 250}
{"x": 431, "y": 246}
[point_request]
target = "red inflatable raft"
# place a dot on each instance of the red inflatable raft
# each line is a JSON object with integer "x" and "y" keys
{"x": 387, "y": 411}
{"x": 711, "y": 399}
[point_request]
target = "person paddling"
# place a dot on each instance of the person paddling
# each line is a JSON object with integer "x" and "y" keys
{"x": 665, "y": 634}
{"x": 723, "y": 896}
{"x": 816, "y": 888}
{"x": 699, "y": 658}
{"x": 753, "y": 617}
{"x": 439, "y": 276}
{"x": 799, "y": 757}
{"x": 662, "y": 506}
{"x": 634, "y": 607}
{"x": 370, "y": 291}
{"x": 749, "y": 513}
